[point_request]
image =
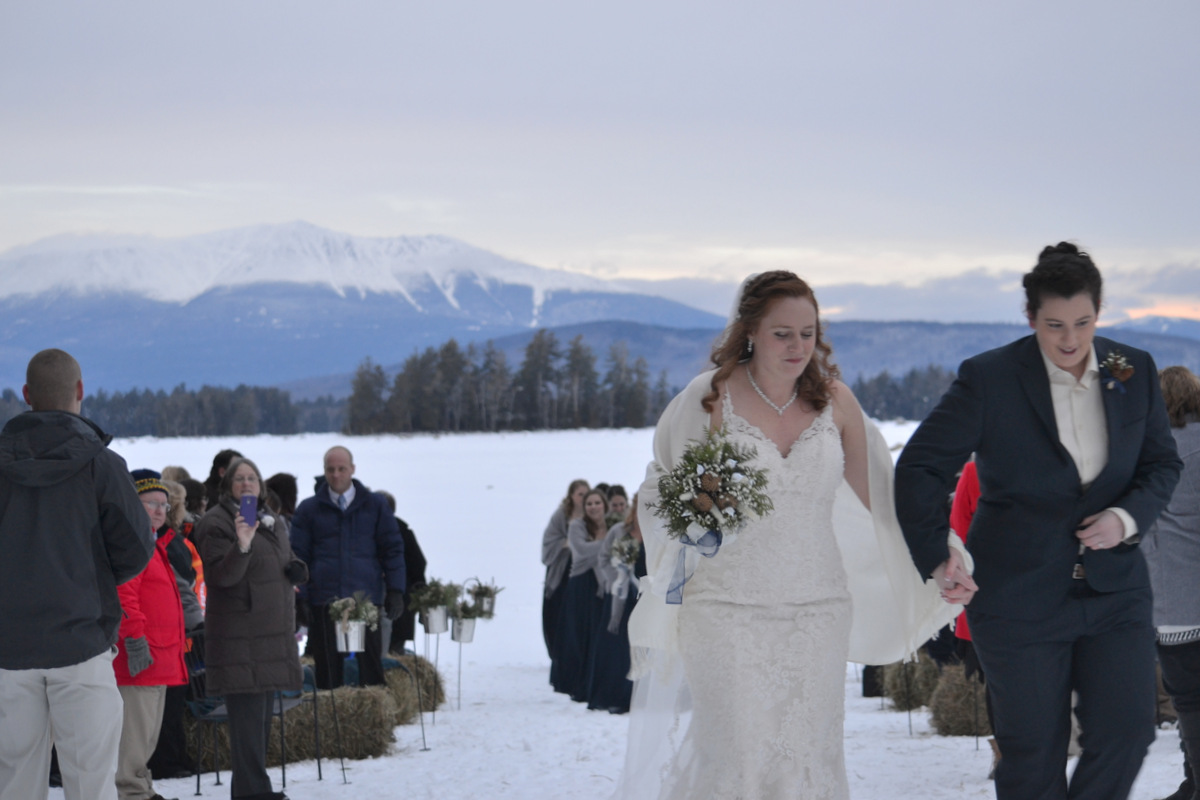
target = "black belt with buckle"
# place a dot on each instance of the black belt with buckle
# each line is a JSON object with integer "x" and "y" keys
{"x": 1078, "y": 573}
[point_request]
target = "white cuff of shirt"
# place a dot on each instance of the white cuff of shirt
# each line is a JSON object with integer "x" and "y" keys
{"x": 1126, "y": 520}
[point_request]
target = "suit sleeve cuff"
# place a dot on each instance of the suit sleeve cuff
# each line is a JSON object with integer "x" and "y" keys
{"x": 1131, "y": 529}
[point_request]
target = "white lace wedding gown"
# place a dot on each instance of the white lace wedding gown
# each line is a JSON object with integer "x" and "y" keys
{"x": 764, "y": 631}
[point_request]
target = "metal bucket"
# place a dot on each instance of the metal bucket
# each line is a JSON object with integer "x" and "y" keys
{"x": 351, "y": 636}
{"x": 435, "y": 620}
{"x": 487, "y": 606}
{"x": 463, "y": 630}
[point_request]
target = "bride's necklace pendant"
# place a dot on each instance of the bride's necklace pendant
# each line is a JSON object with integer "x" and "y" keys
{"x": 778, "y": 409}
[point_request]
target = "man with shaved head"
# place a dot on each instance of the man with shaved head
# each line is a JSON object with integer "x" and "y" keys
{"x": 71, "y": 529}
{"x": 349, "y": 538}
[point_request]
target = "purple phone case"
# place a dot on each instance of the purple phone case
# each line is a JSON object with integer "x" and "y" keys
{"x": 249, "y": 508}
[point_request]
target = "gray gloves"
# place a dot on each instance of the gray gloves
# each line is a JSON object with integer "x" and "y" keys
{"x": 138, "y": 651}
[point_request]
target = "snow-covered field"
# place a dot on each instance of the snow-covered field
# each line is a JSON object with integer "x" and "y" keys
{"x": 478, "y": 504}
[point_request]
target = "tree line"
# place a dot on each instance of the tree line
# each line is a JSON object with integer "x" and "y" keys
{"x": 208, "y": 411}
{"x": 452, "y": 389}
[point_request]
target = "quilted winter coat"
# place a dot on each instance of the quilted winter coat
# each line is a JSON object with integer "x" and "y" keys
{"x": 249, "y": 625}
{"x": 151, "y": 608}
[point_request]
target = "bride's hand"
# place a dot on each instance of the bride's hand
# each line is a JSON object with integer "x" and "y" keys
{"x": 956, "y": 584}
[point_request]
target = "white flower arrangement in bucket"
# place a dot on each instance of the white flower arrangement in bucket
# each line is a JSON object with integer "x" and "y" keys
{"x": 484, "y": 596}
{"x": 433, "y": 602}
{"x": 353, "y": 616}
{"x": 462, "y": 625}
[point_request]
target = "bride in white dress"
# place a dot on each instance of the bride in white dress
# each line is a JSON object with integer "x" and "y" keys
{"x": 739, "y": 689}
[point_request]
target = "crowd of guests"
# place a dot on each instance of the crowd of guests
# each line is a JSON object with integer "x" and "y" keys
{"x": 593, "y": 556}
{"x": 168, "y": 587}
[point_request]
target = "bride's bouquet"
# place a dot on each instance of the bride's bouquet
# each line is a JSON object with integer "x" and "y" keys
{"x": 713, "y": 488}
{"x": 707, "y": 499}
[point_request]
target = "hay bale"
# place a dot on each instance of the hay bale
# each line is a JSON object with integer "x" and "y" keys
{"x": 365, "y": 720}
{"x": 404, "y": 688}
{"x": 910, "y": 685}
{"x": 958, "y": 707}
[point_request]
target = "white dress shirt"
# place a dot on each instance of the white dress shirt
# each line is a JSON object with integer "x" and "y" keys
{"x": 349, "y": 494}
{"x": 1083, "y": 425}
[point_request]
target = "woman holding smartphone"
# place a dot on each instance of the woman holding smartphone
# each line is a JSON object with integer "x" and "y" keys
{"x": 250, "y": 621}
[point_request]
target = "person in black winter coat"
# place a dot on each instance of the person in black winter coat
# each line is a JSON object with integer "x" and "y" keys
{"x": 404, "y": 627}
{"x": 70, "y": 520}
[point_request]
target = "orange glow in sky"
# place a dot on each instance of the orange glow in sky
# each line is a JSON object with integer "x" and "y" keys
{"x": 1185, "y": 309}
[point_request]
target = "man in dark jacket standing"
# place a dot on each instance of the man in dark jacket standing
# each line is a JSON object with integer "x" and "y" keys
{"x": 348, "y": 537}
{"x": 71, "y": 529}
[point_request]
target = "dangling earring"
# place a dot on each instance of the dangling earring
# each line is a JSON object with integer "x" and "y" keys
{"x": 750, "y": 346}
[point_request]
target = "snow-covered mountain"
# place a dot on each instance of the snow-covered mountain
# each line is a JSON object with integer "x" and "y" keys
{"x": 276, "y": 303}
{"x": 180, "y": 270}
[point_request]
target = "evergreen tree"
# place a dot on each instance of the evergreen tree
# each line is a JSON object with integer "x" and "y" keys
{"x": 11, "y": 404}
{"x": 451, "y": 386}
{"x": 577, "y": 387}
{"x": 533, "y": 403}
{"x": 637, "y": 404}
{"x": 660, "y": 397}
{"x": 493, "y": 389}
{"x": 365, "y": 409}
{"x": 618, "y": 380}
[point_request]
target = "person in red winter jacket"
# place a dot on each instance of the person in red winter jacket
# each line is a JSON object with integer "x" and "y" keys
{"x": 150, "y": 648}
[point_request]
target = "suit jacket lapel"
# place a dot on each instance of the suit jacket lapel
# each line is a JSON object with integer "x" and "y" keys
{"x": 1036, "y": 385}
{"x": 1112, "y": 406}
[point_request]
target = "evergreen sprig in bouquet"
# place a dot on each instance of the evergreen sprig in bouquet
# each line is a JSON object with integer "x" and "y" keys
{"x": 713, "y": 487}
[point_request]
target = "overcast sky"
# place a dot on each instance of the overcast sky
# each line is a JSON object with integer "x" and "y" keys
{"x": 873, "y": 142}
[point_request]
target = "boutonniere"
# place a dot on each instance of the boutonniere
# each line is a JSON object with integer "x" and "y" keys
{"x": 1115, "y": 370}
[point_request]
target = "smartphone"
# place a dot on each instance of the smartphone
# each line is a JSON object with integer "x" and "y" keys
{"x": 249, "y": 509}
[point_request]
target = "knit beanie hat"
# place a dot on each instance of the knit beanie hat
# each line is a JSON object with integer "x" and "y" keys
{"x": 147, "y": 480}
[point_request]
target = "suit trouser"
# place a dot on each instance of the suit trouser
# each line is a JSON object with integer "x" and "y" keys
{"x": 322, "y": 634}
{"x": 139, "y": 736}
{"x": 1102, "y": 647}
{"x": 249, "y": 728}
{"x": 79, "y": 709}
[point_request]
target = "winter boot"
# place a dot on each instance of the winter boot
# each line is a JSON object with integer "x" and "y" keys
{"x": 1187, "y": 789}
{"x": 1189, "y": 736}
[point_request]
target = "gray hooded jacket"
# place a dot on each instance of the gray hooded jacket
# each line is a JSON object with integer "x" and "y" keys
{"x": 71, "y": 529}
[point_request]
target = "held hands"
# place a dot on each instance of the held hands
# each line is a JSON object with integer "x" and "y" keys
{"x": 1101, "y": 531}
{"x": 956, "y": 584}
{"x": 245, "y": 533}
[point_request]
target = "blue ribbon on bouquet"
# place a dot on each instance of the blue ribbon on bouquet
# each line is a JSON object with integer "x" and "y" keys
{"x": 707, "y": 545}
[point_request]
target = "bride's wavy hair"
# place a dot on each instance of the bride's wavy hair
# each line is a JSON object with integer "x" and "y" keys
{"x": 815, "y": 383}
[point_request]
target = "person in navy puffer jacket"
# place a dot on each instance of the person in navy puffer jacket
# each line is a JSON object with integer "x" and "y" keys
{"x": 349, "y": 538}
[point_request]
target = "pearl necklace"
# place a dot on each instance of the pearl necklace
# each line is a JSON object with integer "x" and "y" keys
{"x": 778, "y": 409}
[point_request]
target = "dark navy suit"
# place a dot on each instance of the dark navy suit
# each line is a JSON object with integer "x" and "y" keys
{"x": 1041, "y": 633}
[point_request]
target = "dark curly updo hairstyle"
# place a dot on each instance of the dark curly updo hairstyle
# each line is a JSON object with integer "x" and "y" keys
{"x": 1063, "y": 270}
{"x": 815, "y": 383}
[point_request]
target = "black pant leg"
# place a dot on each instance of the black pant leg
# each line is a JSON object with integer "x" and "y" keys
{"x": 1181, "y": 674}
{"x": 249, "y": 727}
{"x": 370, "y": 661}
{"x": 1114, "y": 676}
{"x": 322, "y": 638}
